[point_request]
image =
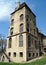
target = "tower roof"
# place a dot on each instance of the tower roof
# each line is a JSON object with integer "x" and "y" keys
{"x": 21, "y": 6}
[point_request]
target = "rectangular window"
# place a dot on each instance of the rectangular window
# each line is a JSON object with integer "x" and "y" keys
{"x": 21, "y": 54}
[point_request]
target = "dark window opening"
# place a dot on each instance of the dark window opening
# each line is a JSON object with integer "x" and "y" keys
{"x": 21, "y": 54}
{"x": 45, "y": 49}
{"x": 21, "y": 28}
{"x": 11, "y": 31}
{"x": 10, "y": 42}
{"x": 21, "y": 17}
{"x": 9, "y": 54}
{"x": 29, "y": 54}
{"x": 12, "y": 21}
{"x": 14, "y": 54}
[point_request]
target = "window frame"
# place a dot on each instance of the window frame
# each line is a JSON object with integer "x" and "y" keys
{"x": 21, "y": 17}
{"x": 12, "y": 22}
{"x": 9, "y": 54}
{"x": 10, "y": 43}
{"x": 21, "y": 27}
{"x": 21, "y": 54}
{"x": 21, "y": 41}
{"x": 11, "y": 31}
{"x": 14, "y": 54}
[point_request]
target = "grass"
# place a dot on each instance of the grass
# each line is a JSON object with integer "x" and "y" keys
{"x": 37, "y": 62}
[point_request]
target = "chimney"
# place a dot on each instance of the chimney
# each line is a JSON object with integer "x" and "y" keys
{"x": 18, "y": 5}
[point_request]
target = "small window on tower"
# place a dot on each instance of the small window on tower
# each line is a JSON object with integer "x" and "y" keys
{"x": 11, "y": 31}
{"x": 10, "y": 43}
{"x": 27, "y": 18}
{"x": 12, "y": 21}
{"x": 21, "y": 17}
{"x": 21, "y": 28}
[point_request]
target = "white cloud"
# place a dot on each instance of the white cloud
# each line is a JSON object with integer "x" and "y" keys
{"x": 6, "y": 7}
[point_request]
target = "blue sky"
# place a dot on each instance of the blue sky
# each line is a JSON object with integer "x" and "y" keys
{"x": 37, "y": 6}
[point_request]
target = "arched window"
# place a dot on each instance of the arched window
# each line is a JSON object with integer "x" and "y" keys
{"x": 12, "y": 21}
{"x": 21, "y": 27}
{"x": 10, "y": 43}
{"x": 11, "y": 31}
{"x": 21, "y": 17}
{"x": 20, "y": 40}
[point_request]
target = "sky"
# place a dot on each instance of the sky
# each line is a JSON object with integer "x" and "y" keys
{"x": 8, "y": 6}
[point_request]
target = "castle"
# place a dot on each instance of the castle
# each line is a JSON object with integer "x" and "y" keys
{"x": 24, "y": 41}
